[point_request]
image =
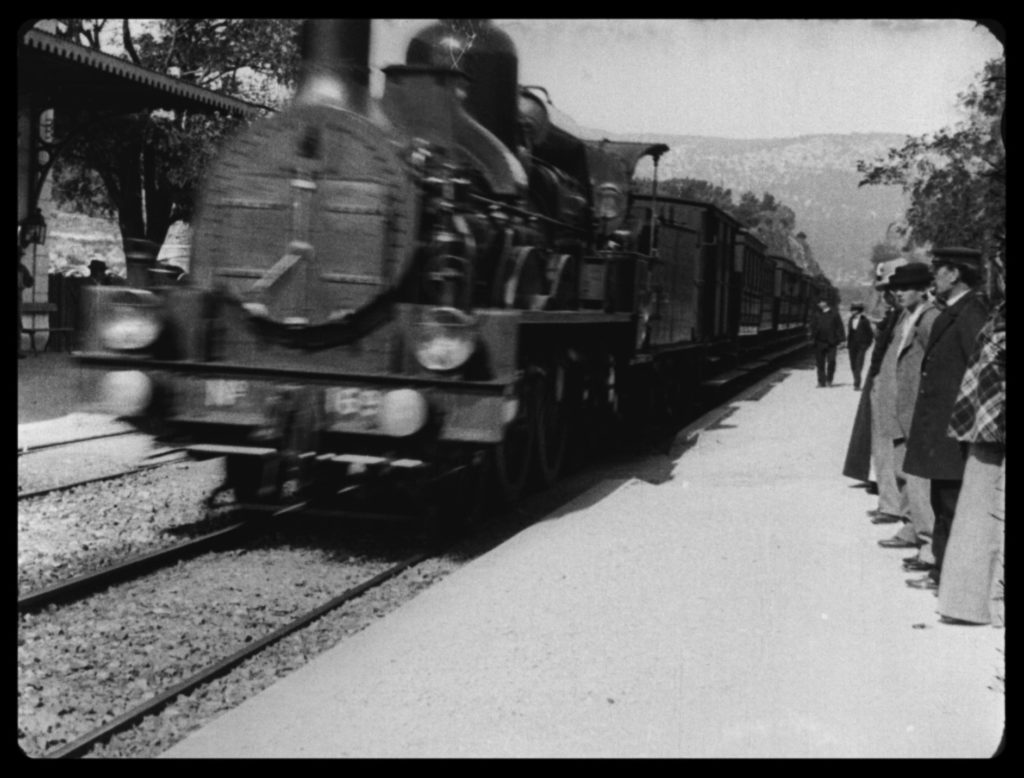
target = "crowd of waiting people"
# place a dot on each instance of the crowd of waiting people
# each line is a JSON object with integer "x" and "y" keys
{"x": 930, "y": 429}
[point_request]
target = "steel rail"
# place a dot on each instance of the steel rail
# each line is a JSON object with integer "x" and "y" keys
{"x": 87, "y": 583}
{"x": 110, "y": 477}
{"x": 56, "y": 444}
{"x": 130, "y": 717}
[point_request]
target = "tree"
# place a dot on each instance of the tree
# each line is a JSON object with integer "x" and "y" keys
{"x": 144, "y": 168}
{"x": 956, "y": 178}
{"x": 748, "y": 209}
{"x": 882, "y": 252}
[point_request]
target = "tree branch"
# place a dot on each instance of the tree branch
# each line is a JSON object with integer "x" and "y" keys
{"x": 129, "y": 45}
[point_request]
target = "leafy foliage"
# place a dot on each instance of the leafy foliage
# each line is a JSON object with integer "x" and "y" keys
{"x": 145, "y": 167}
{"x": 882, "y": 252}
{"x": 956, "y": 178}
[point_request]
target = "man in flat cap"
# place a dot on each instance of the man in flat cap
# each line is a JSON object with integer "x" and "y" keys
{"x": 859, "y": 337}
{"x": 931, "y": 453}
{"x": 898, "y": 384}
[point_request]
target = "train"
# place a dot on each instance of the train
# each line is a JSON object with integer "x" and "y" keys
{"x": 433, "y": 295}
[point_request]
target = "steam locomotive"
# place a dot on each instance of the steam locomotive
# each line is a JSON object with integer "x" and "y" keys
{"x": 432, "y": 295}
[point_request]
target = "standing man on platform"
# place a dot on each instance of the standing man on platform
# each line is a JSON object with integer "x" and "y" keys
{"x": 931, "y": 453}
{"x": 859, "y": 337}
{"x": 972, "y": 564}
{"x": 862, "y": 454}
{"x": 899, "y": 381}
{"x": 827, "y": 332}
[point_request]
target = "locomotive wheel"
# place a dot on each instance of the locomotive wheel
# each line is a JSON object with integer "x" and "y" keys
{"x": 553, "y": 424}
{"x": 512, "y": 457}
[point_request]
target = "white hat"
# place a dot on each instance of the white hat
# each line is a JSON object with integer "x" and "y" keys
{"x": 885, "y": 270}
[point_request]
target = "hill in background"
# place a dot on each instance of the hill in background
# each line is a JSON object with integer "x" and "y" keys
{"x": 815, "y": 175}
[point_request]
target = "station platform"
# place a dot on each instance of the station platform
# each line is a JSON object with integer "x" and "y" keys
{"x": 742, "y": 608}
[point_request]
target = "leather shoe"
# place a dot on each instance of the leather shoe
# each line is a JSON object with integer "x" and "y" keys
{"x": 923, "y": 583}
{"x": 872, "y": 488}
{"x": 885, "y": 518}
{"x": 896, "y": 543}
{"x": 917, "y": 566}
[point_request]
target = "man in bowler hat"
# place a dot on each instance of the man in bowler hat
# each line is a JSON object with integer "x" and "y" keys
{"x": 898, "y": 384}
{"x": 931, "y": 453}
{"x": 859, "y": 337}
{"x": 827, "y": 332}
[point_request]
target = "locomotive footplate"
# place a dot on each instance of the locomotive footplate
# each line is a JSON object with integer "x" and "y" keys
{"x": 375, "y": 405}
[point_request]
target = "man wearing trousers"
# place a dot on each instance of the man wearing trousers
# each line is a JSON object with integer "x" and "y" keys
{"x": 899, "y": 382}
{"x": 931, "y": 453}
{"x": 827, "y": 332}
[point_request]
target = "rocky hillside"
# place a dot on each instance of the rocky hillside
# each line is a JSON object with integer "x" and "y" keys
{"x": 815, "y": 175}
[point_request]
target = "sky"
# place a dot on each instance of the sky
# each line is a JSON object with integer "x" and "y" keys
{"x": 740, "y": 78}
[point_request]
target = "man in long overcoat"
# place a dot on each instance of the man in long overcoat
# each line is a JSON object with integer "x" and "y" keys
{"x": 859, "y": 337}
{"x": 931, "y": 453}
{"x": 898, "y": 383}
{"x": 827, "y": 332}
{"x": 859, "y": 451}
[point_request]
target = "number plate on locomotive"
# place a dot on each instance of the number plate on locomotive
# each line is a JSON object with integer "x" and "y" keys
{"x": 224, "y": 392}
{"x": 352, "y": 404}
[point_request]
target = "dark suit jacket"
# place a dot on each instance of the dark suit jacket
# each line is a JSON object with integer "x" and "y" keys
{"x": 827, "y": 328}
{"x": 931, "y": 453}
{"x": 860, "y": 338}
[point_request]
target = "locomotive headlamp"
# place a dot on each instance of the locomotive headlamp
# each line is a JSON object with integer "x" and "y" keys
{"x": 444, "y": 339}
{"x": 610, "y": 201}
{"x": 133, "y": 321}
{"x": 125, "y": 392}
{"x": 402, "y": 412}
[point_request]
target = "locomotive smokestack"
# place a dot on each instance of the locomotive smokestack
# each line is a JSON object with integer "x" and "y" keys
{"x": 335, "y": 62}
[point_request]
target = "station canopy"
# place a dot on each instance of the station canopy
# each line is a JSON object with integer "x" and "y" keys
{"x": 54, "y": 73}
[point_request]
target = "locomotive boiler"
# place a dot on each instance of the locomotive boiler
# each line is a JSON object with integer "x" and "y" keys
{"x": 420, "y": 296}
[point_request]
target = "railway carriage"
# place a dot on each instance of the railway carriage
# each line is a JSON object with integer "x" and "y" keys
{"x": 431, "y": 292}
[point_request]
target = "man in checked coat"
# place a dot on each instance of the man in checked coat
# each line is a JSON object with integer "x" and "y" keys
{"x": 972, "y": 566}
{"x": 931, "y": 453}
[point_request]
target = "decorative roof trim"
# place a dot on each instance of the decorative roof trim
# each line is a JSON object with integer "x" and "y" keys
{"x": 50, "y": 44}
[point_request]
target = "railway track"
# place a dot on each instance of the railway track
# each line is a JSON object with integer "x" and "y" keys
{"x": 57, "y": 444}
{"x": 129, "y": 718}
{"x": 100, "y": 478}
{"x": 88, "y": 583}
